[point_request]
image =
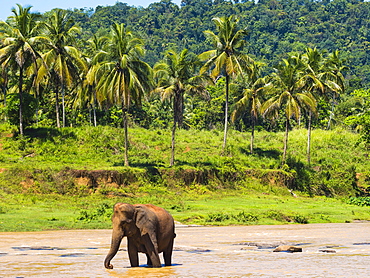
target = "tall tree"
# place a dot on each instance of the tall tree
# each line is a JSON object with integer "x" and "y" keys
{"x": 314, "y": 84}
{"x": 334, "y": 79}
{"x": 252, "y": 98}
{"x": 175, "y": 78}
{"x": 18, "y": 49}
{"x": 63, "y": 62}
{"x": 226, "y": 58}
{"x": 125, "y": 78}
{"x": 87, "y": 95}
{"x": 290, "y": 95}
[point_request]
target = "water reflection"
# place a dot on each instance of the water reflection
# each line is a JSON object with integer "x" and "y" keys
{"x": 329, "y": 250}
{"x": 139, "y": 272}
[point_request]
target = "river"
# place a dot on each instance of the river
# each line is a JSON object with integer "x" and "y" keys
{"x": 329, "y": 250}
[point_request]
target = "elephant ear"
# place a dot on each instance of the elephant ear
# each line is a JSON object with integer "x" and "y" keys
{"x": 144, "y": 220}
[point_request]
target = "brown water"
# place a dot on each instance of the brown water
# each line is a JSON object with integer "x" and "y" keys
{"x": 329, "y": 250}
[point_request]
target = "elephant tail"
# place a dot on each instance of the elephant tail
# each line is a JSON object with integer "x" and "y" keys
{"x": 174, "y": 235}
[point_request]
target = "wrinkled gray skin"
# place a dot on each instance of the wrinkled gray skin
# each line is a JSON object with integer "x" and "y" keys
{"x": 149, "y": 229}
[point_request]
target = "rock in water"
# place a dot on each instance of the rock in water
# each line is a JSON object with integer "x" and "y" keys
{"x": 288, "y": 248}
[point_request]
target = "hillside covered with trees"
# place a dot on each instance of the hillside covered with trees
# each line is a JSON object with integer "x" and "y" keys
{"x": 271, "y": 66}
{"x": 274, "y": 28}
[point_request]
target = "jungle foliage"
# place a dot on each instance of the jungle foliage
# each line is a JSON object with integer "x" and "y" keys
{"x": 274, "y": 28}
{"x": 280, "y": 66}
{"x": 273, "y": 31}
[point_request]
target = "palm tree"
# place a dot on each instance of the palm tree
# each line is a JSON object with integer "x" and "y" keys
{"x": 226, "y": 58}
{"x": 323, "y": 76}
{"x": 125, "y": 78}
{"x": 18, "y": 49}
{"x": 87, "y": 93}
{"x": 62, "y": 60}
{"x": 314, "y": 84}
{"x": 175, "y": 78}
{"x": 251, "y": 101}
{"x": 289, "y": 82}
{"x": 334, "y": 79}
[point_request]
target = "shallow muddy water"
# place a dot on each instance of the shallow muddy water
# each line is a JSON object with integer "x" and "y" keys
{"x": 329, "y": 250}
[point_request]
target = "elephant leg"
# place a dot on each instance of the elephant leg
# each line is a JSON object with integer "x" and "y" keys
{"x": 167, "y": 254}
{"x": 152, "y": 250}
{"x": 132, "y": 253}
{"x": 149, "y": 261}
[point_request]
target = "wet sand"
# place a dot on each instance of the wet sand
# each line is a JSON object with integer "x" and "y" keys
{"x": 329, "y": 250}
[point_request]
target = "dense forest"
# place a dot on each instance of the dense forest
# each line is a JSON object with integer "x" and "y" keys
{"x": 271, "y": 65}
{"x": 274, "y": 28}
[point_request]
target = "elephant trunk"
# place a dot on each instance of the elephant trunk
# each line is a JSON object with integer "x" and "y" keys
{"x": 116, "y": 241}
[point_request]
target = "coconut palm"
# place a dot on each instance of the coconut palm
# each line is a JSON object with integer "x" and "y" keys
{"x": 324, "y": 80}
{"x": 175, "y": 78}
{"x": 252, "y": 99}
{"x": 86, "y": 94}
{"x": 314, "y": 83}
{"x": 63, "y": 63}
{"x": 289, "y": 84}
{"x": 125, "y": 78}
{"x": 18, "y": 49}
{"x": 334, "y": 79}
{"x": 226, "y": 58}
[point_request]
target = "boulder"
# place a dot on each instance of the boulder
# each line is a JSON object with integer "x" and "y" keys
{"x": 287, "y": 248}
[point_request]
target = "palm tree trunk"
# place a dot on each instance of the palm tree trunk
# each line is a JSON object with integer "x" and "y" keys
{"x": 125, "y": 128}
{"x": 57, "y": 106}
{"x": 252, "y": 137}
{"x": 20, "y": 100}
{"x": 94, "y": 116}
{"x": 226, "y": 111}
{"x": 172, "y": 161}
{"x": 94, "y": 109}
{"x": 285, "y": 141}
{"x": 331, "y": 113}
{"x": 309, "y": 138}
{"x": 90, "y": 117}
{"x": 178, "y": 102}
{"x": 176, "y": 112}
{"x": 63, "y": 108}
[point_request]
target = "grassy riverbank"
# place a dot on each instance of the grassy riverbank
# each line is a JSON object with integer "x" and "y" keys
{"x": 54, "y": 212}
{"x": 70, "y": 178}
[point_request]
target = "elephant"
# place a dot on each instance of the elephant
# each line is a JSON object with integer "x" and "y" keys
{"x": 149, "y": 229}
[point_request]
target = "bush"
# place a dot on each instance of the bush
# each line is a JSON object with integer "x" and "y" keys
{"x": 102, "y": 212}
{"x": 28, "y": 108}
{"x": 241, "y": 217}
{"x": 359, "y": 201}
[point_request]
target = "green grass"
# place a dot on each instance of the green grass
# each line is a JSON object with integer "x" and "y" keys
{"x": 103, "y": 147}
{"x": 20, "y": 212}
{"x": 204, "y": 187}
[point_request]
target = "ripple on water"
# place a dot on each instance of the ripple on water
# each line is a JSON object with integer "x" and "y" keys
{"x": 36, "y": 248}
{"x": 73, "y": 255}
{"x": 362, "y": 243}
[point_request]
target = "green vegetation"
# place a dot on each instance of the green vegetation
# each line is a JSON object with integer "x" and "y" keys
{"x": 33, "y": 212}
{"x": 292, "y": 76}
{"x": 38, "y": 191}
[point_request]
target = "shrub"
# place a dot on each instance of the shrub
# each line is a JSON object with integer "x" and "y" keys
{"x": 102, "y": 212}
{"x": 241, "y": 217}
{"x": 278, "y": 216}
{"x": 359, "y": 201}
{"x": 301, "y": 219}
